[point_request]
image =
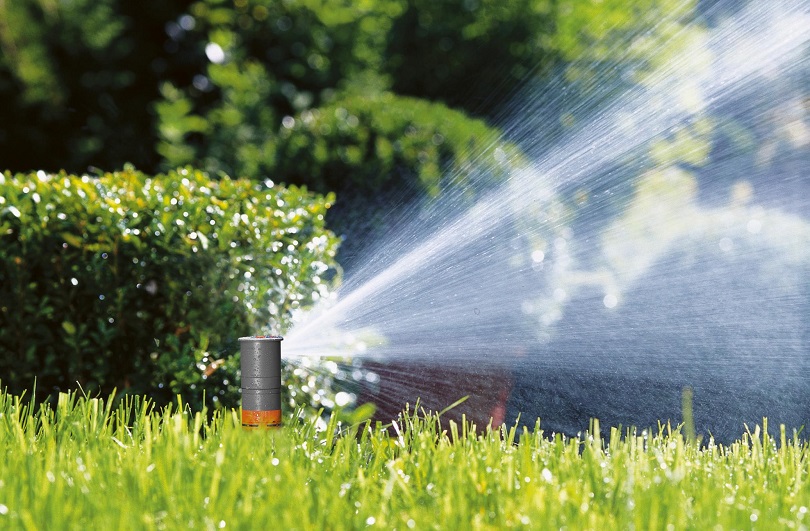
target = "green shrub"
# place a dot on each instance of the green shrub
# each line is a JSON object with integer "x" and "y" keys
{"x": 144, "y": 283}
{"x": 386, "y": 141}
{"x": 287, "y": 82}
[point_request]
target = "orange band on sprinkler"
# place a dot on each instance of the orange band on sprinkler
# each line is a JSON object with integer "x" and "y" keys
{"x": 261, "y": 419}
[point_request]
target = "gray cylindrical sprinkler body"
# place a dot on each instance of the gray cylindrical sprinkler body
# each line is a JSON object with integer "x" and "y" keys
{"x": 261, "y": 381}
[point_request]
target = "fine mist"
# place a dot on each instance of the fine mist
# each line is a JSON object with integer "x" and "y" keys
{"x": 659, "y": 242}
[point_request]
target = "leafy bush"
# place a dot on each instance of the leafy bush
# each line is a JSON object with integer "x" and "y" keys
{"x": 386, "y": 141}
{"x": 131, "y": 281}
{"x": 285, "y": 83}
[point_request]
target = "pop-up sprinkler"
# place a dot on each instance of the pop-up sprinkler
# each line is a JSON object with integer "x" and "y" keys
{"x": 261, "y": 381}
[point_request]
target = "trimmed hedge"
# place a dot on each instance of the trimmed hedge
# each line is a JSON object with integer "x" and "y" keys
{"x": 386, "y": 141}
{"x": 131, "y": 281}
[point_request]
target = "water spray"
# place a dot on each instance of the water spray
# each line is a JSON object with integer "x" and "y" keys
{"x": 261, "y": 381}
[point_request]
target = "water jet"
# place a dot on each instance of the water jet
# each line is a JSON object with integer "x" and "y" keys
{"x": 639, "y": 253}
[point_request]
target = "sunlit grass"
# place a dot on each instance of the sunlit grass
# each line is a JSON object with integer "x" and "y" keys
{"x": 88, "y": 464}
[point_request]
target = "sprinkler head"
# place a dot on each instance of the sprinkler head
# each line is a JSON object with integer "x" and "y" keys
{"x": 261, "y": 381}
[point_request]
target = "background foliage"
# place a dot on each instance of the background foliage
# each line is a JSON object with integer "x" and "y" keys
{"x": 222, "y": 76}
{"x": 77, "y": 78}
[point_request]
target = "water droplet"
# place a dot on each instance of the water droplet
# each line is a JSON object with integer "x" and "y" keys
{"x": 215, "y": 53}
{"x": 342, "y": 398}
{"x": 187, "y": 22}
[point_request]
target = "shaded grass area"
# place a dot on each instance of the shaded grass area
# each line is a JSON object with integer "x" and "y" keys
{"x": 86, "y": 463}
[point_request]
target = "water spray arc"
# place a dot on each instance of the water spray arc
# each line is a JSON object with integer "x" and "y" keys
{"x": 261, "y": 381}
{"x": 626, "y": 258}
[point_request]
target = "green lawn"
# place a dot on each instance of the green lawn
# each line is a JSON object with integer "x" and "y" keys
{"x": 87, "y": 465}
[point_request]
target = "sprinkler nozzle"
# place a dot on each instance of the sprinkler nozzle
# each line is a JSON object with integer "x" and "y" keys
{"x": 261, "y": 381}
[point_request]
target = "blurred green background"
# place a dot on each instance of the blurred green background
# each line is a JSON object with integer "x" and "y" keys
{"x": 219, "y": 84}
